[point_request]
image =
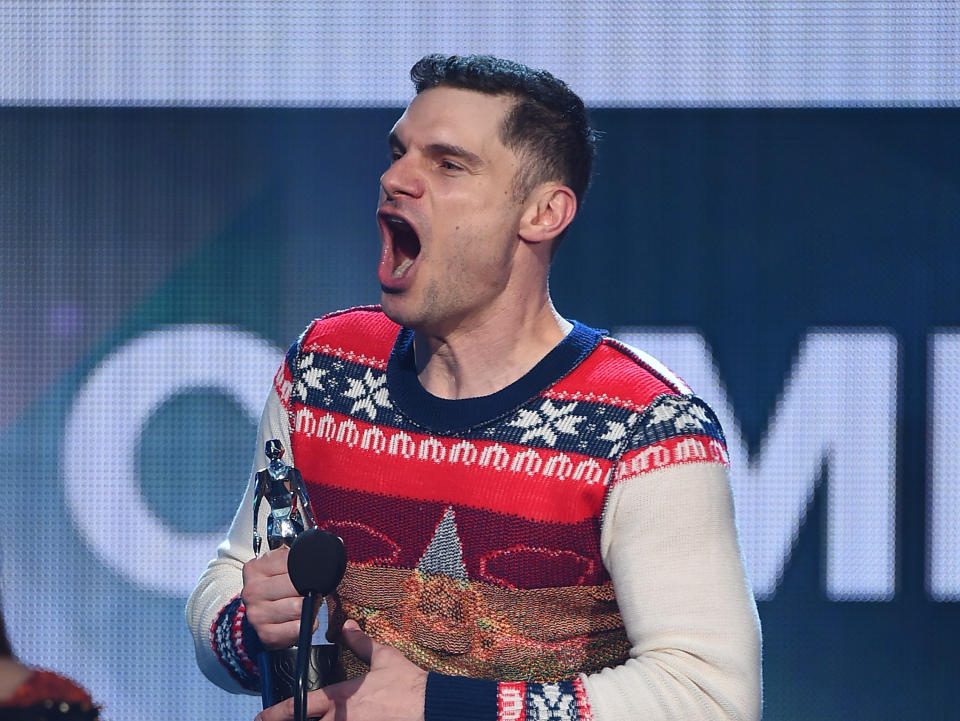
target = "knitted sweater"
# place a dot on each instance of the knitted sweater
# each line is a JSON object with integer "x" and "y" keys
{"x": 561, "y": 549}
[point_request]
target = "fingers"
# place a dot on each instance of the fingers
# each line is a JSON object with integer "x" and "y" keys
{"x": 272, "y": 563}
{"x": 272, "y": 604}
{"x": 357, "y": 641}
{"x": 317, "y": 705}
{"x": 320, "y": 703}
{"x": 277, "y": 622}
{"x": 393, "y": 689}
{"x": 266, "y": 578}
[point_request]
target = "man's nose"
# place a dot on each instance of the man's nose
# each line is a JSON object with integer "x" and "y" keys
{"x": 402, "y": 178}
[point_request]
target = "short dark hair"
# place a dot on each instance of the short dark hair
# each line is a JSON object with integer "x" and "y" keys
{"x": 548, "y": 127}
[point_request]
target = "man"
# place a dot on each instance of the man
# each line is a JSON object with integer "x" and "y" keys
{"x": 538, "y": 518}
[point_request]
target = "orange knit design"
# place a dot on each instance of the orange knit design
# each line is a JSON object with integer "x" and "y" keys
{"x": 469, "y": 628}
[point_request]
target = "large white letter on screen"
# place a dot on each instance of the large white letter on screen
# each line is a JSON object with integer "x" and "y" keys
{"x": 103, "y": 429}
{"x": 943, "y": 502}
{"x": 838, "y": 407}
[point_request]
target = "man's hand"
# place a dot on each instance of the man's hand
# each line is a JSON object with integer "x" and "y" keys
{"x": 273, "y": 604}
{"x": 393, "y": 690}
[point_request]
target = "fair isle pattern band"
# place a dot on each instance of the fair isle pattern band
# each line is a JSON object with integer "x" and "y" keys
{"x": 561, "y": 439}
{"x": 506, "y": 491}
{"x": 228, "y": 634}
{"x": 562, "y": 701}
{"x": 352, "y": 390}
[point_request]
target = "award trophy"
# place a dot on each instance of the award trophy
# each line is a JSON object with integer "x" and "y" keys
{"x": 283, "y": 488}
{"x": 319, "y": 552}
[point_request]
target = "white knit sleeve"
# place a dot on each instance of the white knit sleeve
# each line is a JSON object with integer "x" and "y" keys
{"x": 670, "y": 544}
{"x": 222, "y": 580}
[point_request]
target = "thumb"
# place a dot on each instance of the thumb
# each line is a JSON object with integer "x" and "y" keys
{"x": 357, "y": 641}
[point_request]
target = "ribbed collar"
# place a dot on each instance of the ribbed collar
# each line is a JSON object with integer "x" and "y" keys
{"x": 441, "y": 415}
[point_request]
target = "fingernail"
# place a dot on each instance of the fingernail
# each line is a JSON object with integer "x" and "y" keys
{"x": 350, "y": 625}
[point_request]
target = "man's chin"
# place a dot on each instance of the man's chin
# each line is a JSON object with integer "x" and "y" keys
{"x": 393, "y": 307}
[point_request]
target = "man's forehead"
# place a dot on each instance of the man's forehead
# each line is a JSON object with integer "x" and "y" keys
{"x": 454, "y": 110}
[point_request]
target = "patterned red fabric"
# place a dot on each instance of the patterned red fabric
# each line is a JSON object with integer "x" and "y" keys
{"x": 43, "y": 685}
{"x": 472, "y": 527}
{"x": 476, "y": 551}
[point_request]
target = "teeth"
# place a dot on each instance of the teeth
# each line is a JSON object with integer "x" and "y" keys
{"x": 402, "y": 268}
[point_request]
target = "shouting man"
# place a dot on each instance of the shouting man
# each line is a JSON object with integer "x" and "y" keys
{"x": 537, "y": 518}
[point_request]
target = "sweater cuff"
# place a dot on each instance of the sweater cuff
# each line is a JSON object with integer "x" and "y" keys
{"x": 469, "y": 699}
{"x": 458, "y": 697}
{"x": 236, "y": 644}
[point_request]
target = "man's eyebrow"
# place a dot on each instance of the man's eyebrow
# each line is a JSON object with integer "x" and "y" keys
{"x": 457, "y": 151}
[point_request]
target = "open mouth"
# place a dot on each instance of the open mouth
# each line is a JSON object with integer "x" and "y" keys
{"x": 405, "y": 242}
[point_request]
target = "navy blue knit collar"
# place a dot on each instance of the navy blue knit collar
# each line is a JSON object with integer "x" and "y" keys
{"x": 441, "y": 415}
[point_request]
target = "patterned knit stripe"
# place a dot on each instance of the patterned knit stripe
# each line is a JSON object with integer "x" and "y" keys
{"x": 230, "y": 634}
{"x": 463, "y": 628}
{"x": 362, "y": 335}
{"x": 670, "y": 417}
{"x": 583, "y": 703}
{"x": 324, "y": 383}
{"x": 283, "y": 380}
{"x": 338, "y": 372}
{"x": 630, "y": 377}
{"x": 673, "y": 430}
{"x": 533, "y": 483}
{"x": 671, "y": 452}
{"x": 387, "y": 531}
{"x": 562, "y": 701}
{"x": 511, "y": 696}
{"x": 466, "y": 699}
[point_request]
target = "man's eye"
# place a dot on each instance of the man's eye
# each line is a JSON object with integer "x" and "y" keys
{"x": 448, "y": 165}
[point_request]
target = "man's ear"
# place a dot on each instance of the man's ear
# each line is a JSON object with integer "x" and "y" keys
{"x": 550, "y": 208}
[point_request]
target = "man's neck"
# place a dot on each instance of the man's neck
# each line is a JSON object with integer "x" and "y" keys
{"x": 488, "y": 356}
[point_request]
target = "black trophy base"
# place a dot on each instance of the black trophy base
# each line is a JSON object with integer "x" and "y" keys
{"x": 278, "y": 668}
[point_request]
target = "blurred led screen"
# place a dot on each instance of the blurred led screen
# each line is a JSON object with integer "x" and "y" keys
{"x": 775, "y": 214}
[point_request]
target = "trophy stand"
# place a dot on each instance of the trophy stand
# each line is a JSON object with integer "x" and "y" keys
{"x": 316, "y": 564}
{"x": 277, "y": 669}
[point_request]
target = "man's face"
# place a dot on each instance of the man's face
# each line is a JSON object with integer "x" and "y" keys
{"x": 448, "y": 216}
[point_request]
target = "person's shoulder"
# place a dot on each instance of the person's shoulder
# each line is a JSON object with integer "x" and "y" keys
{"x": 361, "y": 318}
{"x": 672, "y": 426}
{"x": 634, "y": 361}
{"x": 622, "y": 375}
{"x": 43, "y": 691}
{"x": 361, "y": 329}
